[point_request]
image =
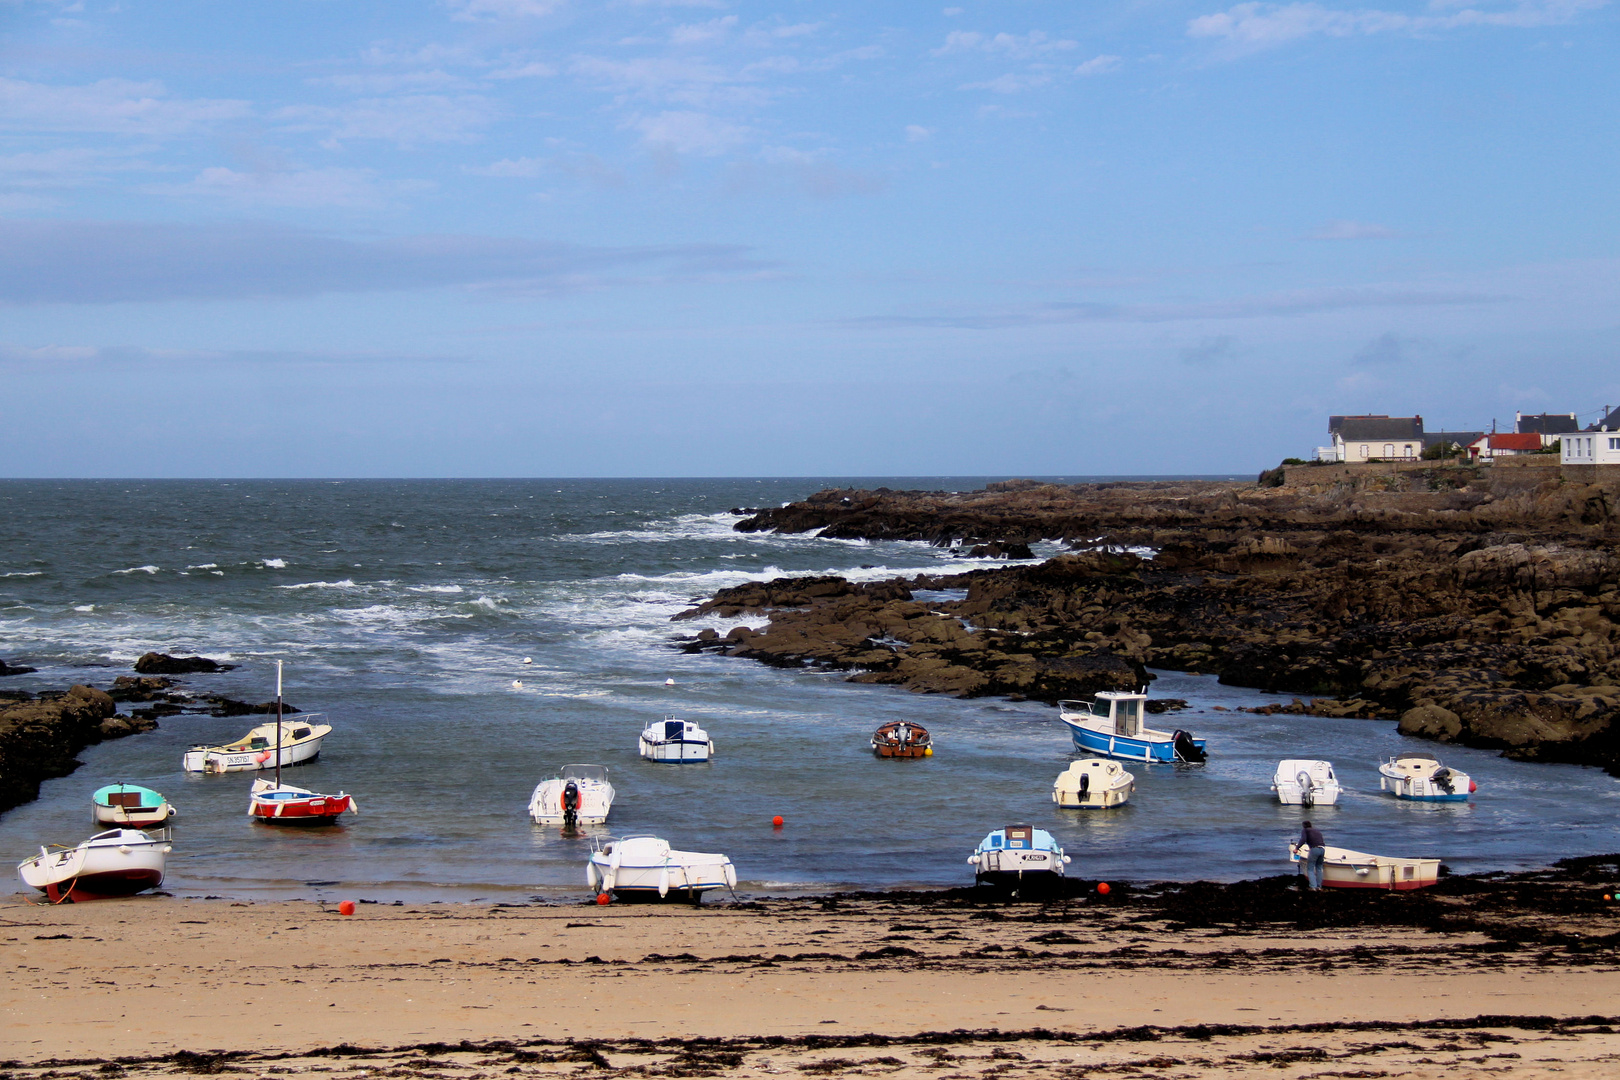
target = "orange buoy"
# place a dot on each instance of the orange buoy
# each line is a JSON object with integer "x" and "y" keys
{"x": 346, "y": 908}
{"x": 777, "y": 822}
{"x": 603, "y": 898}
{"x": 1102, "y": 887}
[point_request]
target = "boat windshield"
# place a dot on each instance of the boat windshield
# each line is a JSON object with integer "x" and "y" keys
{"x": 585, "y": 772}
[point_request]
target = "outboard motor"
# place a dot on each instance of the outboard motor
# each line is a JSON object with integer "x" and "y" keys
{"x": 1442, "y": 780}
{"x": 1185, "y": 749}
{"x": 1307, "y": 788}
{"x": 1085, "y": 783}
{"x": 570, "y": 805}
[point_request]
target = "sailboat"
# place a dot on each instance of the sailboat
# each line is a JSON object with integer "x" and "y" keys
{"x": 275, "y": 803}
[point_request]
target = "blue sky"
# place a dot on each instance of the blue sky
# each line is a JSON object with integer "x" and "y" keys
{"x": 550, "y": 237}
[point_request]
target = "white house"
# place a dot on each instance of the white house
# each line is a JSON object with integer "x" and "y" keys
{"x": 1591, "y": 448}
{"x": 1364, "y": 438}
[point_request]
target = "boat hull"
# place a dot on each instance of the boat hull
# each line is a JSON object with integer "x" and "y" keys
{"x": 319, "y": 810}
{"x": 1093, "y": 800}
{"x": 676, "y": 752}
{"x": 100, "y": 868}
{"x": 652, "y": 870}
{"x": 1345, "y": 869}
{"x": 1107, "y": 744}
{"x": 120, "y": 817}
{"x": 214, "y": 760}
{"x": 595, "y": 803}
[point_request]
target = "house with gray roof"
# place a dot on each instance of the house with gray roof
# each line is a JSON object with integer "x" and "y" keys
{"x": 1547, "y": 425}
{"x": 1373, "y": 438}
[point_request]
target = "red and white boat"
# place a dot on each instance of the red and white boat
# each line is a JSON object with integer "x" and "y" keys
{"x": 283, "y": 804}
{"x": 118, "y": 862}
{"x": 1346, "y": 869}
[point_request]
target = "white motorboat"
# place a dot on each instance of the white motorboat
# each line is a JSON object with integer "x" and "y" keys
{"x": 1304, "y": 782}
{"x": 1113, "y": 725}
{"x": 1093, "y": 784}
{"x": 1018, "y": 856}
{"x": 299, "y": 742}
{"x": 580, "y": 796}
{"x": 675, "y": 740}
{"x": 130, "y": 806}
{"x": 1420, "y": 777}
{"x": 646, "y": 866}
{"x": 118, "y": 862}
{"x": 1346, "y": 869}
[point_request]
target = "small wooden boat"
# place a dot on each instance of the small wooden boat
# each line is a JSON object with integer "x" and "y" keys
{"x": 1093, "y": 784}
{"x": 1018, "y": 856}
{"x": 645, "y": 866}
{"x": 676, "y": 741}
{"x": 119, "y": 862}
{"x": 1304, "y": 782}
{"x": 299, "y": 738}
{"x": 1346, "y": 869}
{"x": 130, "y": 806}
{"x": 282, "y": 804}
{"x": 1420, "y": 777}
{"x": 902, "y": 739}
{"x": 1113, "y": 726}
{"x": 580, "y": 796}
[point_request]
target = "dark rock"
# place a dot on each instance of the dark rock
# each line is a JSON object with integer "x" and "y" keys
{"x": 38, "y": 739}
{"x": 15, "y": 669}
{"x": 156, "y": 663}
{"x": 139, "y": 688}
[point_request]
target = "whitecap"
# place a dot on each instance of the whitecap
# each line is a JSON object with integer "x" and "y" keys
{"x": 346, "y": 583}
{"x": 437, "y": 588}
{"x": 140, "y": 570}
{"x": 486, "y": 603}
{"x": 204, "y": 566}
{"x": 274, "y": 564}
{"x": 84, "y": 607}
{"x": 24, "y": 573}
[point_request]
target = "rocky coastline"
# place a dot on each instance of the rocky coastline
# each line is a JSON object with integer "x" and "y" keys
{"x": 1472, "y": 605}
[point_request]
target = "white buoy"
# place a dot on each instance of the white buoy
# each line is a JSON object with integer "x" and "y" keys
{"x": 528, "y": 659}
{"x": 669, "y": 682}
{"x": 517, "y": 684}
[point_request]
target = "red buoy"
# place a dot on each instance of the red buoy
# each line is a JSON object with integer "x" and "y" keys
{"x": 346, "y": 908}
{"x": 1472, "y": 786}
{"x": 603, "y": 898}
{"x": 1102, "y": 887}
{"x": 777, "y": 822}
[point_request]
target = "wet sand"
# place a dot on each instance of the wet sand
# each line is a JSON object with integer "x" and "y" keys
{"x": 1501, "y": 974}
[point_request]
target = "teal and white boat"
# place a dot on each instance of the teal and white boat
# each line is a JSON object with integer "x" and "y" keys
{"x": 1114, "y": 725}
{"x": 130, "y": 806}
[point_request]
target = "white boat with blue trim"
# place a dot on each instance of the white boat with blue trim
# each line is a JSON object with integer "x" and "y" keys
{"x": 1018, "y": 856}
{"x": 674, "y": 740}
{"x": 1114, "y": 725}
{"x": 646, "y": 866}
{"x": 1420, "y": 777}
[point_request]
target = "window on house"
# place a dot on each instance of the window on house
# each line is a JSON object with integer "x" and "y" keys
{"x": 1362, "y": 449}
{"x": 1389, "y": 449}
{"x": 1614, "y": 444}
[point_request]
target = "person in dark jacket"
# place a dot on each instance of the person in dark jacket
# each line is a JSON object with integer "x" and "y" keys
{"x": 1310, "y": 838}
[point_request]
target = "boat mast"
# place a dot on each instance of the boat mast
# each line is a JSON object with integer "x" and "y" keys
{"x": 278, "y": 723}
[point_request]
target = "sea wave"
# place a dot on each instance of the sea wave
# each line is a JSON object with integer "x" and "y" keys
{"x": 437, "y": 589}
{"x": 24, "y": 573}
{"x": 346, "y": 583}
{"x": 274, "y": 564}
{"x": 148, "y": 569}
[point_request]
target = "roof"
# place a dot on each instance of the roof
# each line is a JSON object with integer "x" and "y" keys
{"x": 1515, "y": 440}
{"x": 1610, "y": 422}
{"x": 1376, "y": 428}
{"x": 1548, "y": 423}
{"x": 1451, "y": 438}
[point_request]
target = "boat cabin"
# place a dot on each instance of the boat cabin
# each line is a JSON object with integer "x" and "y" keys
{"x": 585, "y": 772}
{"x": 1126, "y": 711}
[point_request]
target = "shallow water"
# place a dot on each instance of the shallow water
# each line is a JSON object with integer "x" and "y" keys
{"x": 404, "y": 609}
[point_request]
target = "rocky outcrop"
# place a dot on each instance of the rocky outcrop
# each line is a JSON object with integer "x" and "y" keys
{"x": 15, "y": 669}
{"x": 1473, "y": 611}
{"x": 40, "y": 737}
{"x": 156, "y": 663}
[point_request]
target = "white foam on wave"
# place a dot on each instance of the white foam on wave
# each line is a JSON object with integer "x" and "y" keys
{"x": 24, "y": 573}
{"x": 148, "y": 569}
{"x": 84, "y": 607}
{"x": 204, "y": 566}
{"x": 346, "y": 583}
{"x": 274, "y": 564}
{"x": 437, "y": 588}
{"x": 487, "y": 603}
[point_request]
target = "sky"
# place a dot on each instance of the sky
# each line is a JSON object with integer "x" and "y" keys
{"x": 723, "y": 238}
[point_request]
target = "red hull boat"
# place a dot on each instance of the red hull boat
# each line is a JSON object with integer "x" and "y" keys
{"x": 283, "y": 804}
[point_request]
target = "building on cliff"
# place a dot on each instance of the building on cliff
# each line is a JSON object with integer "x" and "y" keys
{"x": 1597, "y": 445}
{"x": 1368, "y": 438}
{"x": 1509, "y": 443}
{"x": 1452, "y": 444}
{"x": 1550, "y": 426}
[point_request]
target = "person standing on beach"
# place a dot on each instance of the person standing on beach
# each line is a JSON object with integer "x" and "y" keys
{"x": 1310, "y": 838}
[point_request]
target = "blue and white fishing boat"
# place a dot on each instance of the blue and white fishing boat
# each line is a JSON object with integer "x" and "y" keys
{"x": 1114, "y": 725}
{"x": 1420, "y": 777}
{"x": 130, "y": 806}
{"x": 675, "y": 740}
{"x": 1018, "y": 856}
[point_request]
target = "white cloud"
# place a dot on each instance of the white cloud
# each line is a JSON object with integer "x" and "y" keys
{"x": 689, "y": 133}
{"x": 918, "y": 133}
{"x": 700, "y": 33}
{"x": 1099, "y": 65}
{"x": 1034, "y": 43}
{"x": 534, "y": 69}
{"x": 112, "y": 106}
{"x": 676, "y": 80}
{"x": 525, "y": 167}
{"x": 1252, "y": 26}
{"x": 1011, "y": 83}
{"x": 378, "y": 83}
{"x": 1353, "y": 230}
{"x": 407, "y": 121}
{"x": 295, "y": 187}
{"x": 471, "y": 10}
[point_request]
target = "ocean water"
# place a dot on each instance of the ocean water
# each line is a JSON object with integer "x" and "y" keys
{"x": 405, "y": 609}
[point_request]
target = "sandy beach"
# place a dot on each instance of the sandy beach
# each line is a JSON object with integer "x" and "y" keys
{"x": 874, "y": 985}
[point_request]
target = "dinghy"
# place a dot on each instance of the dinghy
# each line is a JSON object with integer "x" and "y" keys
{"x": 1113, "y": 726}
{"x": 282, "y": 804}
{"x": 299, "y": 737}
{"x": 1018, "y": 857}
{"x": 1420, "y": 777}
{"x": 1346, "y": 869}
{"x": 118, "y": 862}
{"x": 902, "y": 739}
{"x": 1093, "y": 784}
{"x": 1304, "y": 782}
{"x": 580, "y": 796}
{"x": 130, "y": 806}
{"x": 645, "y": 866}
{"x": 675, "y": 740}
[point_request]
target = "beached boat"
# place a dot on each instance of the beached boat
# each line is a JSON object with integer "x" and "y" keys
{"x": 580, "y": 796}
{"x": 1346, "y": 869}
{"x": 118, "y": 862}
{"x": 129, "y": 806}
{"x": 1420, "y": 776}
{"x": 675, "y": 740}
{"x": 902, "y": 739}
{"x": 1304, "y": 782}
{"x": 299, "y": 738}
{"x": 1114, "y": 725}
{"x": 645, "y": 866}
{"x": 1018, "y": 856}
{"x": 1093, "y": 784}
{"x": 276, "y": 803}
